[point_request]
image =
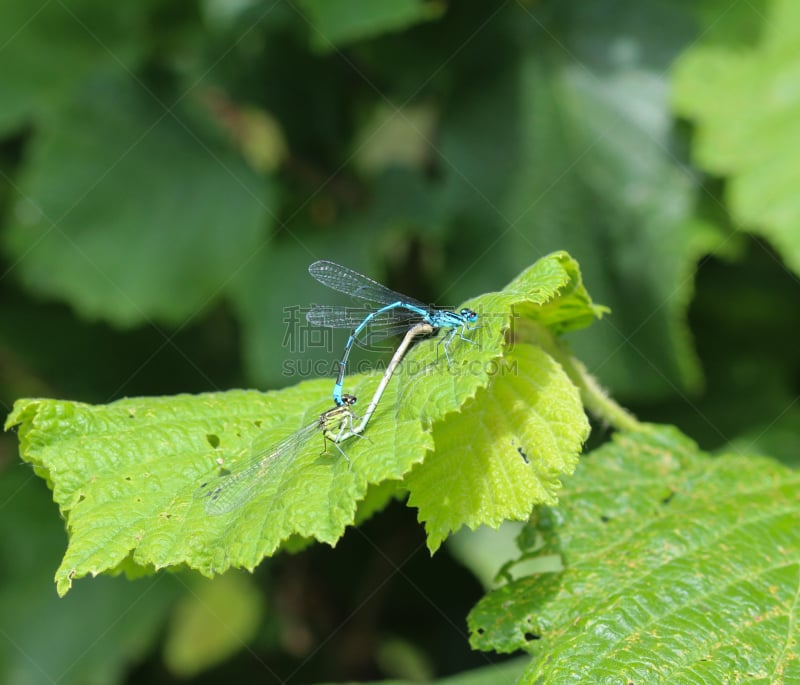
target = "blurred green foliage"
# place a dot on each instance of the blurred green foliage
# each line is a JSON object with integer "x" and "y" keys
{"x": 168, "y": 171}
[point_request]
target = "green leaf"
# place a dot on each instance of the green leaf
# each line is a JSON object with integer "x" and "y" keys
{"x": 116, "y": 185}
{"x": 757, "y": 148}
{"x": 334, "y": 23}
{"x": 740, "y": 24}
{"x": 53, "y": 46}
{"x": 524, "y": 431}
{"x": 678, "y": 567}
{"x": 126, "y": 475}
{"x": 549, "y": 293}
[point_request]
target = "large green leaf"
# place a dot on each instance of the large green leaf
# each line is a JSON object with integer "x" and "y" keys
{"x": 523, "y": 433}
{"x": 118, "y": 185}
{"x": 48, "y": 49}
{"x": 678, "y": 568}
{"x": 126, "y": 476}
{"x": 746, "y": 106}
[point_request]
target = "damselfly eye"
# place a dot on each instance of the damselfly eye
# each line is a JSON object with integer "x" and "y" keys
{"x": 469, "y": 314}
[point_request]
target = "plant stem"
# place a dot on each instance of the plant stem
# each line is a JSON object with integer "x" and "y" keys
{"x": 595, "y": 398}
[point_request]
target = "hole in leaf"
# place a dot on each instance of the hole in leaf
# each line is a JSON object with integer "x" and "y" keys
{"x": 604, "y": 518}
{"x": 213, "y": 440}
{"x": 521, "y": 452}
{"x": 530, "y": 637}
{"x": 668, "y": 498}
{"x": 257, "y": 423}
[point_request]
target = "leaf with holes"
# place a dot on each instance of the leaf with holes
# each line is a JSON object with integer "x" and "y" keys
{"x": 678, "y": 568}
{"x": 132, "y": 478}
{"x": 505, "y": 451}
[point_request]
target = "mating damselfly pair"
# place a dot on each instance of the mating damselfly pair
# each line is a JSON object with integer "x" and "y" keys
{"x": 394, "y": 313}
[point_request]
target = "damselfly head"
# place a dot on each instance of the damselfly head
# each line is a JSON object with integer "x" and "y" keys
{"x": 470, "y": 315}
{"x": 348, "y": 400}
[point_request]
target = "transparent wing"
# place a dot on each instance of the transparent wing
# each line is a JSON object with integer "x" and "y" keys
{"x": 335, "y": 316}
{"x": 349, "y": 282}
{"x": 228, "y": 492}
{"x": 386, "y": 324}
